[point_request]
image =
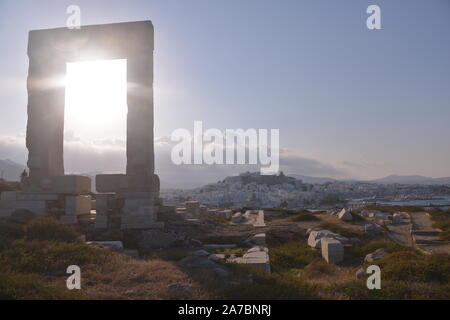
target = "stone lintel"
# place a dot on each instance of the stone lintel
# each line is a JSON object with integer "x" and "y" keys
{"x": 69, "y": 184}
{"x": 123, "y": 184}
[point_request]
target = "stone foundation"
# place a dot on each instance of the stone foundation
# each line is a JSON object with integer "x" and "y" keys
{"x": 62, "y": 196}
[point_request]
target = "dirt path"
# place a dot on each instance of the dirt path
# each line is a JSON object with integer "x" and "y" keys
{"x": 425, "y": 236}
{"x": 401, "y": 233}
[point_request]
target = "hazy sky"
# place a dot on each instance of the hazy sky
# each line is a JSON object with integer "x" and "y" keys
{"x": 349, "y": 102}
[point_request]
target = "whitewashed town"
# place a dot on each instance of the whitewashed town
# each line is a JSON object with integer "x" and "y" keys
{"x": 270, "y": 191}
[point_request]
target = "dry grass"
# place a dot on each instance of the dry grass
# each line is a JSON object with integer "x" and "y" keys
{"x": 320, "y": 272}
{"x": 342, "y": 229}
{"x": 125, "y": 278}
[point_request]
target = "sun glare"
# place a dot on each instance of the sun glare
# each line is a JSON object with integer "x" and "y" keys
{"x": 96, "y": 99}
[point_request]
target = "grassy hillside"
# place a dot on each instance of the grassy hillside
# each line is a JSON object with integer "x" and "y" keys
{"x": 34, "y": 258}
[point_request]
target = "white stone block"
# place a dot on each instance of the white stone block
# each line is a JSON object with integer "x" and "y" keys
{"x": 332, "y": 250}
{"x": 260, "y": 219}
{"x": 316, "y": 235}
{"x": 259, "y": 239}
{"x": 314, "y": 239}
{"x": 225, "y": 214}
{"x": 345, "y": 215}
{"x": 256, "y": 257}
{"x": 397, "y": 218}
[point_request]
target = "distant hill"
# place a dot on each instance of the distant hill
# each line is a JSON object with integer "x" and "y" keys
{"x": 309, "y": 179}
{"x": 412, "y": 179}
{"x": 10, "y": 170}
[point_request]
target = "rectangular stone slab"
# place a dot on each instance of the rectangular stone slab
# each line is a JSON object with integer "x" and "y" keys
{"x": 332, "y": 250}
{"x": 70, "y": 184}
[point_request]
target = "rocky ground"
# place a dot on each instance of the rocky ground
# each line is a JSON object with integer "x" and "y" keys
{"x": 188, "y": 260}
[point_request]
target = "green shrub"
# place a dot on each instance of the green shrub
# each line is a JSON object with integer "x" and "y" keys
{"x": 441, "y": 221}
{"x": 357, "y": 218}
{"x": 392, "y": 290}
{"x": 412, "y": 266}
{"x": 45, "y": 257}
{"x": 445, "y": 235}
{"x": 16, "y": 286}
{"x": 303, "y": 217}
{"x": 9, "y": 232}
{"x": 389, "y": 246}
{"x": 291, "y": 255}
{"x": 340, "y": 230}
{"x": 50, "y": 229}
{"x": 168, "y": 255}
{"x": 269, "y": 287}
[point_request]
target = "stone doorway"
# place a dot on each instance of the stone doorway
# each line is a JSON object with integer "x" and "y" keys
{"x": 47, "y": 187}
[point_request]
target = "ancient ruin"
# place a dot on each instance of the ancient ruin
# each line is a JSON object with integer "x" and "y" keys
{"x": 133, "y": 195}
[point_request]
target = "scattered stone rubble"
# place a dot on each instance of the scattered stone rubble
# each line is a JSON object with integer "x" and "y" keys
{"x": 195, "y": 210}
{"x": 361, "y": 273}
{"x": 372, "y": 228}
{"x": 253, "y": 217}
{"x": 345, "y": 215}
{"x": 377, "y": 254}
{"x": 203, "y": 259}
{"x": 113, "y": 245}
{"x": 257, "y": 257}
{"x": 316, "y": 235}
{"x": 330, "y": 243}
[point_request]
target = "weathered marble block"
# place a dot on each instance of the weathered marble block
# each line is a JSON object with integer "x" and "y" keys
{"x": 332, "y": 250}
{"x": 70, "y": 184}
{"x": 259, "y": 239}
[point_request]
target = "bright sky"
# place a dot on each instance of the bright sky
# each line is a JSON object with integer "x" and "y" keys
{"x": 361, "y": 103}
